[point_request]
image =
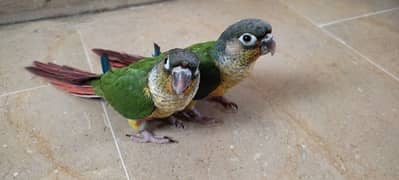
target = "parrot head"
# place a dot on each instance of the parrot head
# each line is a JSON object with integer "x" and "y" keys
{"x": 247, "y": 39}
{"x": 182, "y": 66}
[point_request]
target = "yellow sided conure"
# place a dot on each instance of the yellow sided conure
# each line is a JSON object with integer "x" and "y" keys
{"x": 223, "y": 63}
{"x": 154, "y": 87}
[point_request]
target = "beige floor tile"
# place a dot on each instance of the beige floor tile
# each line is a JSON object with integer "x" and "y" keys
{"x": 45, "y": 41}
{"x": 47, "y": 134}
{"x": 316, "y": 110}
{"x": 324, "y": 11}
{"x": 377, "y": 37}
{"x": 337, "y": 98}
{"x": 253, "y": 144}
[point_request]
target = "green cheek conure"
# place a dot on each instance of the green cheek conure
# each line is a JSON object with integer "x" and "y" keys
{"x": 154, "y": 87}
{"x": 224, "y": 62}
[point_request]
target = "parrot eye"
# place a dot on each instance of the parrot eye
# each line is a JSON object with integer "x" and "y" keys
{"x": 167, "y": 63}
{"x": 248, "y": 39}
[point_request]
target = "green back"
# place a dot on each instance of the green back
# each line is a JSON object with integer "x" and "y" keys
{"x": 125, "y": 88}
{"x": 210, "y": 75}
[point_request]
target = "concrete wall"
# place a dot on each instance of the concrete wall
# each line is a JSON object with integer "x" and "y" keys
{"x": 12, "y": 11}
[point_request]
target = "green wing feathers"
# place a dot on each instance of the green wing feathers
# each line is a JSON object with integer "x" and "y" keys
{"x": 210, "y": 75}
{"x": 125, "y": 89}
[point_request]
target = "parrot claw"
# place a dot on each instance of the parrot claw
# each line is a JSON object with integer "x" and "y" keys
{"x": 185, "y": 114}
{"x": 198, "y": 117}
{"x": 207, "y": 120}
{"x": 148, "y": 137}
{"x": 225, "y": 103}
{"x": 177, "y": 122}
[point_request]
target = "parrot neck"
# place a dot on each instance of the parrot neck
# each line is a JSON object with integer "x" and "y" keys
{"x": 235, "y": 63}
{"x": 230, "y": 53}
{"x": 165, "y": 99}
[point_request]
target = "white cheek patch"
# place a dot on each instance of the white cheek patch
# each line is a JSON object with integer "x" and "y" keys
{"x": 196, "y": 72}
{"x": 232, "y": 47}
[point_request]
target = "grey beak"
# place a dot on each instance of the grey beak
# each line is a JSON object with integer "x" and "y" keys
{"x": 268, "y": 45}
{"x": 181, "y": 79}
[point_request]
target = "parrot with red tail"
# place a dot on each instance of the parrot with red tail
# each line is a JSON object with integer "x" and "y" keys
{"x": 150, "y": 88}
{"x": 224, "y": 62}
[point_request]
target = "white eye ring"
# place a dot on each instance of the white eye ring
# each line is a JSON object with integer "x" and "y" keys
{"x": 167, "y": 64}
{"x": 248, "y": 39}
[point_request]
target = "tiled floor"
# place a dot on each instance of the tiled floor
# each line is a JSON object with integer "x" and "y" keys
{"x": 326, "y": 106}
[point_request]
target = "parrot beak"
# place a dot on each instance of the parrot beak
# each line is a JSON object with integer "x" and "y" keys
{"x": 181, "y": 79}
{"x": 268, "y": 45}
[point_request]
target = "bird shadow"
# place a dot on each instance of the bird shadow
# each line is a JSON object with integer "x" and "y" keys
{"x": 256, "y": 96}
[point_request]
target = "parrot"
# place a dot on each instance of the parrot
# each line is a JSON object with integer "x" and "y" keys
{"x": 151, "y": 88}
{"x": 223, "y": 63}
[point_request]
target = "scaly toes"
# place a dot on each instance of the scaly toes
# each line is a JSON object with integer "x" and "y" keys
{"x": 207, "y": 120}
{"x": 177, "y": 122}
{"x": 162, "y": 140}
{"x": 225, "y": 103}
{"x": 231, "y": 106}
{"x": 185, "y": 114}
{"x": 148, "y": 137}
{"x": 137, "y": 138}
{"x": 198, "y": 117}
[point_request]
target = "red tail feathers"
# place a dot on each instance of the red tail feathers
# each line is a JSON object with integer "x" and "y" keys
{"x": 69, "y": 79}
{"x": 118, "y": 59}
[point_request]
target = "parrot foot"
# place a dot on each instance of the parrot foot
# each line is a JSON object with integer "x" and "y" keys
{"x": 224, "y": 102}
{"x": 195, "y": 115}
{"x": 177, "y": 122}
{"x": 148, "y": 137}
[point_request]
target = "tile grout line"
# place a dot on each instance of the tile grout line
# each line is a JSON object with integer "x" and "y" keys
{"x": 361, "y": 55}
{"x": 115, "y": 140}
{"x": 331, "y": 35}
{"x": 23, "y": 90}
{"x": 85, "y": 51}
{"x": 357, "y": 17}
{"x": 105, "y": 110}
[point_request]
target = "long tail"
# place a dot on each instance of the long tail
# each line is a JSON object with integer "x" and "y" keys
{"x": 72, "y": 80}
{"x": 118, "y": 59}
